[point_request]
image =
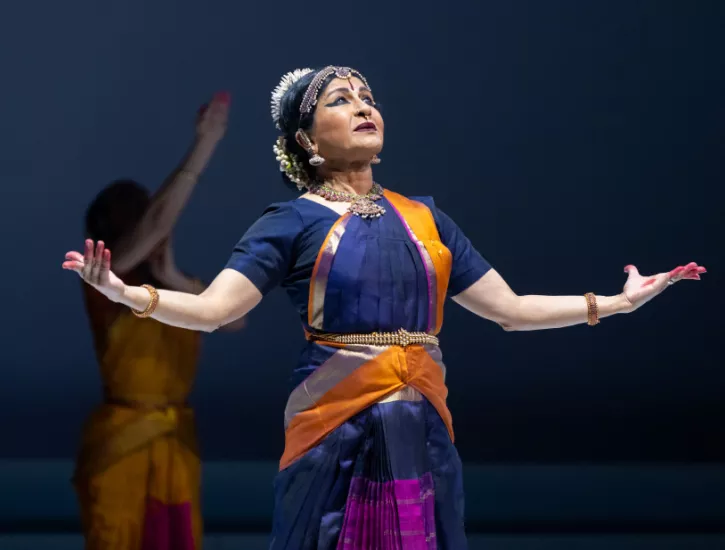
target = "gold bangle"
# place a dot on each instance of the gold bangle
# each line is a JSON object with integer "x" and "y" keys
{"x": 592, "y": 309}
{"x": 152, "y": 303}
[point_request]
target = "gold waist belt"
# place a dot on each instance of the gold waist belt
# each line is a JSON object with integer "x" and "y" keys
{"x": 400, "y": 338}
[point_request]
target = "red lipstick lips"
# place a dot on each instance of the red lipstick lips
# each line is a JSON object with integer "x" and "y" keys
{"x": 366, "y": 127}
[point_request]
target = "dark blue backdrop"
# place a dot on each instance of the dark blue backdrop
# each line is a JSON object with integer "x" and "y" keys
{"x": 566, "y": 139}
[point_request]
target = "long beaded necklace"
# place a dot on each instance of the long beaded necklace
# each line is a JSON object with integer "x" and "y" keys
{"x": 360, "y": 205}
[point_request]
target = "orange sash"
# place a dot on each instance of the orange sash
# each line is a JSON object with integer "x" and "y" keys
{"x": 386, "y": 373}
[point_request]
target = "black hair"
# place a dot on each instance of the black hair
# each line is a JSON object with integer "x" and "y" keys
{"x": 115, "y": 210}
{"x": 291, "y": 121}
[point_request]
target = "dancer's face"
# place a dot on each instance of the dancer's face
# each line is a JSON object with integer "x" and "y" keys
{"x": 347, "y": 127}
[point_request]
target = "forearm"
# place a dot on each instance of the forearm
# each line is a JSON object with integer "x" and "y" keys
{"x": 168, "y": 202}
{"x": 164, "y": 210}
{"x": 174, "y": 279}
{"x": 178, "y": 309}
{"x": 546, "y": 312}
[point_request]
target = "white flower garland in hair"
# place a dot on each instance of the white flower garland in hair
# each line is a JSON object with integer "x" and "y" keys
{"x": 290, "y": 164}
{"x": 281, "y": 89}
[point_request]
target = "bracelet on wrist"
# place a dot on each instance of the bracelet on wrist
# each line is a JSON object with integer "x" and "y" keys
{"x": 152, "y": 303}
{"x": 592, "y": 309}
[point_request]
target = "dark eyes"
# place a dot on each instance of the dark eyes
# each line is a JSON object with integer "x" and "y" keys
{"x": 342, "y": 100}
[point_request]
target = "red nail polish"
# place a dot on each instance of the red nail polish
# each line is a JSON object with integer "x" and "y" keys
{"x": 223, "y": 97}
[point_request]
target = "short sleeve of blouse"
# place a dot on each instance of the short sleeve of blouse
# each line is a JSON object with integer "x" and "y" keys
{"x": 266, "y": 251}
{"x": 468, "y": 264}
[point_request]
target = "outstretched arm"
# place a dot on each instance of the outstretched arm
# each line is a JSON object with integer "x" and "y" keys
{"x": 491, "y": 298}
{"x": 229, "y": 297}
{"x": 164, "y": 269}
{"x": 168, "y": 202}
{"x": 226, "y": 300}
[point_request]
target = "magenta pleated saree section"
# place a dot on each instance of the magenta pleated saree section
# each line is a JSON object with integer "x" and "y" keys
{"x": 389, "y": 515}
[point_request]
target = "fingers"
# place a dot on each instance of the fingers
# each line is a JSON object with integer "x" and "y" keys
{"x": 88, "y": 250}
{"x": 675, "y": 273}
{"x": 219, "y": 107}
{"x": 694, "y": 272}
{"x": 74, "y": 256}
{"x": 87, "y": 259}
{"x": 693, "y": 276}
{"x": 74, "y": 266}
{"x": 691, "y": 271}
{"x": 224, "y": 97}
{"x": 105, "y": 269}
{"x": 96, "y": 268}
{"x": 216, "y": 112}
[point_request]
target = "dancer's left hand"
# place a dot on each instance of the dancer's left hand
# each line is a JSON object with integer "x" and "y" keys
{"x": 638, "y": 290}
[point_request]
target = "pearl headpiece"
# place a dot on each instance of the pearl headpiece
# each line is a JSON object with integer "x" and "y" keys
{"x": 281, "y": 89}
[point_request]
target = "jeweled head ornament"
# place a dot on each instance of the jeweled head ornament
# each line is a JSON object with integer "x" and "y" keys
{"x": 313, "y": 90}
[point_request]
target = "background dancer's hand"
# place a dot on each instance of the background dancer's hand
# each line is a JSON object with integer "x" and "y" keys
{"x": 94, "y": 267}
{"x": 211, "y": 120}
{"x": 638, "y": 290}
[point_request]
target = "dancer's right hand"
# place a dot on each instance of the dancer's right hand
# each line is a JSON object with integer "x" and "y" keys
{"x": 94, "y": 267}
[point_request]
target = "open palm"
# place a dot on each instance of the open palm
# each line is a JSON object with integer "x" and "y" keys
{"x": 94, "y": 267}
{"x": 640, "y": 289}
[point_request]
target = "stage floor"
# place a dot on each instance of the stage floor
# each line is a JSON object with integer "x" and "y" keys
{"x": 257, "y": 542}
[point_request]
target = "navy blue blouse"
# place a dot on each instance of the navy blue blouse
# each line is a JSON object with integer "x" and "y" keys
{"x": 377, "y": 274}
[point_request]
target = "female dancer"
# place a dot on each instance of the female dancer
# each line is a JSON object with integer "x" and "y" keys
{"x": 369, "y": 460}
{"x": 138, "y": 473}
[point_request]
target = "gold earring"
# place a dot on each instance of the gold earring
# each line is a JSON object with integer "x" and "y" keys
{"x": 315, "y": 159}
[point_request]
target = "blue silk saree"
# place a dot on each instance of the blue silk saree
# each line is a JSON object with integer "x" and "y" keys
{"x": 369, "y": 460}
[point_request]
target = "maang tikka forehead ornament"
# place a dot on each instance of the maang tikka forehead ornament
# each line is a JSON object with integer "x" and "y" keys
{"x": 313, "y": 90}
{"x": 288, "y": 162}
